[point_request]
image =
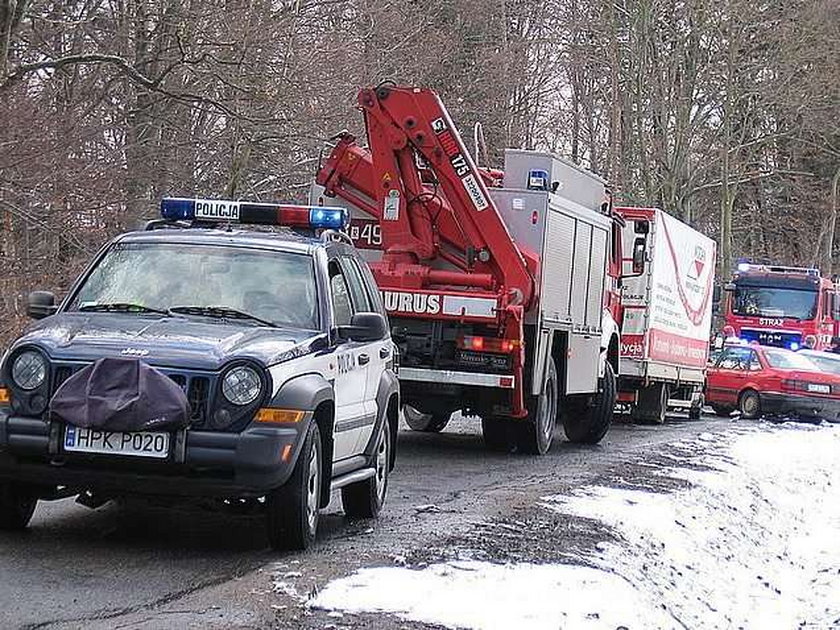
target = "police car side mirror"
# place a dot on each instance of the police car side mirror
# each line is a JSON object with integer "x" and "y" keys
{"x": 41, "y": 304}
{"x": 365, "y": 327}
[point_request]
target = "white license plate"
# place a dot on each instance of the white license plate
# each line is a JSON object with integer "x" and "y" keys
{"x": 139, "y": 444}
{"x": 819, "y": 389}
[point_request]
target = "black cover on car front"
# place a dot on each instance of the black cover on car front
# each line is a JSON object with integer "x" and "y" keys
{"x": 121, "y": 395}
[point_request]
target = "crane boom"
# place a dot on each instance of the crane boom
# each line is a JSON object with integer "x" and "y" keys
{"x": 430, "y": 198}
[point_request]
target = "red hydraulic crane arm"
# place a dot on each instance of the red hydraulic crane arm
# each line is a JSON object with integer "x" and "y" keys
{"x": 440, "y": 208}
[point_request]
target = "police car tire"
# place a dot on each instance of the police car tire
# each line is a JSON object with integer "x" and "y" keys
{"x": 365, "y": 499}
{"x": 425, "y": 422}
{"x": 288, "y": 507}
{"x": 17, "y": 504}
{"x": 536, "y": 433}
{"x": 587, "y": 419}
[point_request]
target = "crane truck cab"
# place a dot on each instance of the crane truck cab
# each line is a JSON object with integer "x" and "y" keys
{"x": 199, "y": 359}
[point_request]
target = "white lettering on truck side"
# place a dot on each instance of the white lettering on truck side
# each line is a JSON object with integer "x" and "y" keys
{"x": 405, "y": 302}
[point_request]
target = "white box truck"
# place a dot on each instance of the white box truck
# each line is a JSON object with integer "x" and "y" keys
{"x": 666, "y": 313}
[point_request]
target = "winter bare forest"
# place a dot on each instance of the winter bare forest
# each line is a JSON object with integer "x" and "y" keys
{"x": 725, "y": 113}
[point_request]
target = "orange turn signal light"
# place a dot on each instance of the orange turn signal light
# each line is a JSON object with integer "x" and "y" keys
{"x": 5, "y": 395}
{"x": 279, "y": 416}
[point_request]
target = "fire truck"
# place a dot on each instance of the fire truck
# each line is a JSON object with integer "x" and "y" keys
{"x": 664, "y": 307}
{"x": 494, "y": 281}
{"x": 788, "y": 307}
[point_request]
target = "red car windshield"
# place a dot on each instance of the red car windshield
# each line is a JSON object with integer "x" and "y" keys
{"x": 787, "y": 360}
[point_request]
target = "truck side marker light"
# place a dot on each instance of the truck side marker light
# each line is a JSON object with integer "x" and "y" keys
{"x": 5, "y": 395}
{"x": 279, "y": 416}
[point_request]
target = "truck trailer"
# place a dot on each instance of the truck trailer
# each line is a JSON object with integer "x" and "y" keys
{"x": 665, "y": 312}
{"x": 494, "y": 281}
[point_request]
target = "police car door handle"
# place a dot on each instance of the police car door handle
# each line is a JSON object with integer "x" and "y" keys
{"x": 384, "y": 353}
{"x": 364, "y": 359}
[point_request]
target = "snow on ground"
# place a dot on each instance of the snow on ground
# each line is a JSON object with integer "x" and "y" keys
{"x": 751, "y": 542}
{"x": 485, "y": 596}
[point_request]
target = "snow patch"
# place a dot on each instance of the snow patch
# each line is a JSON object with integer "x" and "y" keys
{"x": 752, "y": 543}
{"x": 485, "y": 596}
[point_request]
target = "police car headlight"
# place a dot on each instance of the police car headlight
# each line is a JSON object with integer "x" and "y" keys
{"x": 241, "y": 385}
{"x": 29, "y": 370}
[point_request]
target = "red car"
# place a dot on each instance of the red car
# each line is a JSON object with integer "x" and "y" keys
{"x": 758, "y": 380}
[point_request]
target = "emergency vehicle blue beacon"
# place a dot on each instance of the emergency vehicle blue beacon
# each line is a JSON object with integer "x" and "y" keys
{"x": 220, "y": 211}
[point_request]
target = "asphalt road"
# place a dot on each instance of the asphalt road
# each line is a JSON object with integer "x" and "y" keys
{"x": 127, "y": 566}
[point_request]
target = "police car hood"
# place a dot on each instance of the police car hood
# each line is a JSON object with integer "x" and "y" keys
{"x": 163, "y": 341}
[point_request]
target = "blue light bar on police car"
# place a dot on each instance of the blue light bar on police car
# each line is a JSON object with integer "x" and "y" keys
{"x": 220, "y": 211}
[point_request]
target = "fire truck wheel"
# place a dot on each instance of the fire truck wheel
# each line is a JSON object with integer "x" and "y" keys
{"x": 652, "y": 404}
{"x": 586, "y": 419}
{"x": 722, "y": 411}
{"x": 17, "y": 503}
{"x": 749, "y": 404}
{"x": 536, "y": 433}
{"x": 425, "y": 422}
{"x": 498, "y": 434}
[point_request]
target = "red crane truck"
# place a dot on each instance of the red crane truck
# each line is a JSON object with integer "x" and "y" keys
{"x": 788, "y": 307}
{"x": 664, "y": 311}
{"x": 494, "y": 281}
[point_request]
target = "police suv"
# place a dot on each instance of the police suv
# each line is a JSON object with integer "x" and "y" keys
{"x": 277, "y": 338}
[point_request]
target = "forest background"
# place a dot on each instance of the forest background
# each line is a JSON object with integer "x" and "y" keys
{"x": 724, "y": 113}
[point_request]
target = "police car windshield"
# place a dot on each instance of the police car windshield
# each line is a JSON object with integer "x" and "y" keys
{"x": 278, "y": 287}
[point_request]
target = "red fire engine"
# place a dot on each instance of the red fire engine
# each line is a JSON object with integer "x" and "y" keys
{"x": 788, "y": 307}
{"x": 495, "y": 281}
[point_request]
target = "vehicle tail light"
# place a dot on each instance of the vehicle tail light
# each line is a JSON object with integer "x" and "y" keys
{"x": 488, "y": 344}
{"x": 792, "y": 385}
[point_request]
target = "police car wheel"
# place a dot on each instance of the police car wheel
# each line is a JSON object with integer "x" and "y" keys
{"x": 17, "y": 504}
{"x": 292, "y": 511}
{"x": 365, "y": 499}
